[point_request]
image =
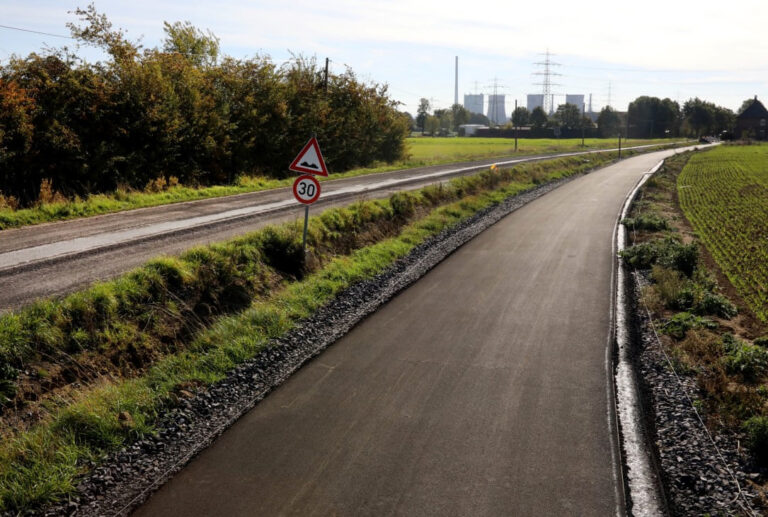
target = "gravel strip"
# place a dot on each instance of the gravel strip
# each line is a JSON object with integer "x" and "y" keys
{"x": 697, "y": 480}
{"x": 127, "y": 478}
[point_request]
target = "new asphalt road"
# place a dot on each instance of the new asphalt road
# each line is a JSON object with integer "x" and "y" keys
{"x": 483, "y": 389}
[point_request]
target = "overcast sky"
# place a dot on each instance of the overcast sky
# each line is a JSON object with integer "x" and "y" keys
{"x": 672, "y": 48}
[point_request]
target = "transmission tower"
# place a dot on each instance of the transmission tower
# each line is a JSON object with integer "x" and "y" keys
{"x": 547, "y": 74}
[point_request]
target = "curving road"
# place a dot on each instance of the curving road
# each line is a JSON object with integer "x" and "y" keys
{"x": 485, "y": 388}
{"x": 57, "y": 258}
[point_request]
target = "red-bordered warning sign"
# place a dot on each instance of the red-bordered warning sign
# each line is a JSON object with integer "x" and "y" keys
{"x": 310, "y": 160}
{"x": 306, "y": 189}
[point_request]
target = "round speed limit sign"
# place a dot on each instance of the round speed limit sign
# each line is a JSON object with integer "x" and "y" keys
{"x": 306, "y": 189}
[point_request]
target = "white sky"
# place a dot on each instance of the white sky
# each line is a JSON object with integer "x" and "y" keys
{"x": 674, "y": 48}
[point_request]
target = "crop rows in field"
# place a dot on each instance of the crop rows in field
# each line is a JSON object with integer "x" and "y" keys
{"x": 724, "y": 194}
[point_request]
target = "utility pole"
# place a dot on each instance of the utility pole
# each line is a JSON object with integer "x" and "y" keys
{"x": 514, "y": 114}
{"x": 325, "y": 80}
{"x": 619, "y": 143}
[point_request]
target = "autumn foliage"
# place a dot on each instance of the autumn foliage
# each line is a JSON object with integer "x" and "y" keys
{"x": 180, "y": 111}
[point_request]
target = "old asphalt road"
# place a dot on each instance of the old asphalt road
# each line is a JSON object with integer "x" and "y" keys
{"x": 57, "y": 258}
{"x": 483, "y": 389}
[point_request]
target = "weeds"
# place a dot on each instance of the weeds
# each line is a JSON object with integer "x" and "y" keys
{"x": 647, "y": 222}
{"x": 668, "y": 252}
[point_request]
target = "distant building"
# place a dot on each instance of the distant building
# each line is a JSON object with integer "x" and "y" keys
{"x": 474, "y": 102}
{"x": 751, "y": 123}
{"x": 497, "y": 113}
{"x": 576, "y": 100}
{"x": 535, "y": 100}
{"x": 470, "y": 129}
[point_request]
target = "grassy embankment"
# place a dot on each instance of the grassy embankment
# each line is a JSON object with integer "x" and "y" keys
{"x": 699, "y": 226}
{"x": 89, "y": 373}
{"x": 422, "y": 152}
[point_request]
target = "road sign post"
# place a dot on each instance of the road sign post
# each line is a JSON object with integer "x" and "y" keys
{"x": 306, "y": 189}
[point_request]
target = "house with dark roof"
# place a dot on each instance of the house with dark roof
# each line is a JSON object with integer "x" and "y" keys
{"x": 751, "y": 123}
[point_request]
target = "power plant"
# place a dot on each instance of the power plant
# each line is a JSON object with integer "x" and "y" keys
{"x": 474, "y": 102}
{"x": 535, "y": 100}
{"x": 495, "y": 108}
{"x": 497, "y": 113}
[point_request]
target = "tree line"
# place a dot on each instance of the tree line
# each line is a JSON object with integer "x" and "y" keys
{"x": 646, "y": 117}
{"x": 181, "y": 110}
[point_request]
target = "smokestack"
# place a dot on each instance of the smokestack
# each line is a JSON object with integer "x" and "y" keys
{"x": 456, "y": 85}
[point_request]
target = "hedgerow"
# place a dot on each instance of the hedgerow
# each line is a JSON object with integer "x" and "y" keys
{"x": 180, "y": 113}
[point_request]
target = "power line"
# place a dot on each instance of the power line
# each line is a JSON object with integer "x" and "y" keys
{"x": 35, "y": 32}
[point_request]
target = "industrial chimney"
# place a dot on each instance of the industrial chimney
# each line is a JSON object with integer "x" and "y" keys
{"x": 456, "y": 85}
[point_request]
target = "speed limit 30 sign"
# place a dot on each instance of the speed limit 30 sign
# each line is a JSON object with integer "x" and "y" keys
{"x": 306, "y": 189}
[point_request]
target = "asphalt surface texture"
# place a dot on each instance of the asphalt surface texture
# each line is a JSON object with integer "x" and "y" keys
{"x": 485, "y": 388}
{"x": 58, "y": 258}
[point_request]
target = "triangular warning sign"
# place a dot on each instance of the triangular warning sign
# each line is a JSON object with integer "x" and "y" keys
{"x": 310, "y": 160}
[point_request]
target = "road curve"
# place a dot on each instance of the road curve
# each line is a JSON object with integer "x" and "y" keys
{"x": 483, "y": 389}
{"x": 57, "y": 258}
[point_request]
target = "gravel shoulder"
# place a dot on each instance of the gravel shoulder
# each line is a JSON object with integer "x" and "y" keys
{"x": 702, "y": 474}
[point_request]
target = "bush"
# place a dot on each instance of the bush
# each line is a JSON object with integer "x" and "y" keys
{"x": 402, "y": 204}
{"x": 757, "y": 437}
{"x": 647, "y": 222}
{"x": 749, "y": 361}
{"x": 682, "y": 322}
{"x": 672, "y": 288}
{"x": 668, "y": 252}
{"x": 762, "y": 341}
{"x": 716, "y": 305}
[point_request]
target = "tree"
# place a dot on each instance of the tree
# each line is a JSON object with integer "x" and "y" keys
{"x": 699, "y": 115}
{"x": 651, "y": 117}
{"x": 422, "y": 112}
{"x": 568, "y": 116}
{"x": 411, "y": 122}
{"x": 432, "y": 124}
{"x": 460, "y": 115}
{"x": 608, "y": 122}
{"x": 445, "y": 118}
{"x": 478, "y": 118}
{"x": 200, "y": 48}
{"x": 538, "y": 118}
{"x": 520, "y": 116}
{"x": 725, "y": 120}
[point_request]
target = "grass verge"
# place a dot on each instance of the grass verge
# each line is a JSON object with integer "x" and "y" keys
{"x": 424, "y": 152}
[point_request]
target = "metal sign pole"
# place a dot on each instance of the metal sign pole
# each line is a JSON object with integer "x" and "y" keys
{"x": 306, "y": 221}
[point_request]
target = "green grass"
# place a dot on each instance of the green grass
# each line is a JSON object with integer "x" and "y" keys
{"x": 423, "y": 151}
{"x": 437, "y": 150}
{"x": 163, "y": 329}
{"x": 724, "y": 194}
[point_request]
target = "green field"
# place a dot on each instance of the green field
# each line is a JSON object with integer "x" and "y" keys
{"x": 422, "y": 151}
{"x": 437, "y": 150}
{"x": 724, "y": 194}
